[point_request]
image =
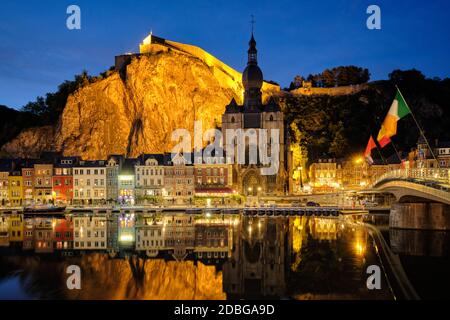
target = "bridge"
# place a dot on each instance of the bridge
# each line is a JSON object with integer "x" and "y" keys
{"x": 416, "y": 184}
{"x": 423, "y": 198}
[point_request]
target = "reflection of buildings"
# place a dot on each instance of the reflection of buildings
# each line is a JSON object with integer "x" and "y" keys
{"x": 28, "y": 234}
{"x": 257, "y": 264}
{"x": 63, "y": 233}
{"x": 179, "y": 235}
{"x": 127, "y": 230}
{"x": 150, "y": 235}
{"x": 90, "y": 232}
{"x": 324, "y": 229}
{"x": 43, "y": 235}
{"x": 16, "y": 228}
{"x": 213, "y": 241}
{"x": 4, "y": 231}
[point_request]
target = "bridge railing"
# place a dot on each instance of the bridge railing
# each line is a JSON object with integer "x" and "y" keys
{"x": 420, "y": 175}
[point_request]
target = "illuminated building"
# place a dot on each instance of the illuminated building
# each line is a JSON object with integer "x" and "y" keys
{"x": 28, "y": 184}
{"x": 323, "y": 174}
{"x": 62, "y": 180}
{"x": 250, "y": 117}
{"x": 5, "y": 168}
{"x": 43, "y": 183}
{"x": 149, "y": 173}
{"x": 126, "y": 182}
{"x": 113, "y": 165}
{"x": 15, "y": 189}
{"x": 89, "y": 182}
{"x": 178, "y": 180}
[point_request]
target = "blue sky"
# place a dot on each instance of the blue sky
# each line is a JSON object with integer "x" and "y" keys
{"x": 293, "y": 37}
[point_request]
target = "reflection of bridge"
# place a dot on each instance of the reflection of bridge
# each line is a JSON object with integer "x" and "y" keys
{"x": 412, "y": 184}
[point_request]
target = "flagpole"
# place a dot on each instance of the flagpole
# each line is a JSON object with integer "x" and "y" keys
{"x": 418, "y": 126}
{"x": 379, "y": 150}
{"x": 396, "y": 151}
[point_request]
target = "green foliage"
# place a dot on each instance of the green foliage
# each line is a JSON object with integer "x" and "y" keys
{"x": 51, "y": 107}
{"x": 340, "y": 76}
{"x": 337, "y": 126}
{"x": 13, "y": 121}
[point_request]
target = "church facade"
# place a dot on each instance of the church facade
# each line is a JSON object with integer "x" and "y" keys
{"x": 250, "y": 117}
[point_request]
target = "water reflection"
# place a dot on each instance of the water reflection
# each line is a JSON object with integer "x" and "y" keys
{"x": 182, "y": 256}
{"x": 420, "y": 242}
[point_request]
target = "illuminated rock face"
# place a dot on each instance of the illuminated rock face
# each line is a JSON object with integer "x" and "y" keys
{"x": 163, "y": 91}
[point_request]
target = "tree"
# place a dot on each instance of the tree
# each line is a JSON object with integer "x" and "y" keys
{"x": 52, "y": 106}
{"x": 328, "y": 78}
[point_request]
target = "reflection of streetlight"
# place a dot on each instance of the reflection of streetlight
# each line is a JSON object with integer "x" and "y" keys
{"x": 359, "y": 248}
{"x": 300, "y": 168}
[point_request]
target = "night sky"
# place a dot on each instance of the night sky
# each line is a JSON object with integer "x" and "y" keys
{"x": 37, "y": 51}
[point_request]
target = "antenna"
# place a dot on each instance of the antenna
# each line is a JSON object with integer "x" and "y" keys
{"x": 252, "y": 22}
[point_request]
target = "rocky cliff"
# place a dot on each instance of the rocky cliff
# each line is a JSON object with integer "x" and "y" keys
{"x": 162, "y": 91}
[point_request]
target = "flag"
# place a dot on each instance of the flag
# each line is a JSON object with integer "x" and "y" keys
{"x": 383, "y": 138}
{"x": 368, "y": 153}
{"x": 398, "y": 110}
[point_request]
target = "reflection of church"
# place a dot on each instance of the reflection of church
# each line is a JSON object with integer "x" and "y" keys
{"x": 253, "y": 114}
{"x": 257, "y": 265}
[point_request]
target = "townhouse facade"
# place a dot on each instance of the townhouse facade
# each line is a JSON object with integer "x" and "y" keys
{"x": 42, "y": 188}
{"x": 89, "y": 183}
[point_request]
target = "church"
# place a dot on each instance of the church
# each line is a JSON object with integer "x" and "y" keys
{"x": 254, "y": 115}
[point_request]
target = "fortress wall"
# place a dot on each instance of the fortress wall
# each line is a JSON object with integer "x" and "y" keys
{"x": 336, "y": 91}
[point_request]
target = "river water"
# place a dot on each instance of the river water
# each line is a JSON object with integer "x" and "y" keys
{"x": 221, "y": 257}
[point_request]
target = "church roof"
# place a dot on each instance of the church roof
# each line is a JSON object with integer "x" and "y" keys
{"x": 232, "y": 107}
{"x": 272, "y": 106}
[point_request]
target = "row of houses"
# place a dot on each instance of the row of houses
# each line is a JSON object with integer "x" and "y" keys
{"x": 178, "y": 235}
{"x": 353, "y": 173}
{"x": 71, "y": 180}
